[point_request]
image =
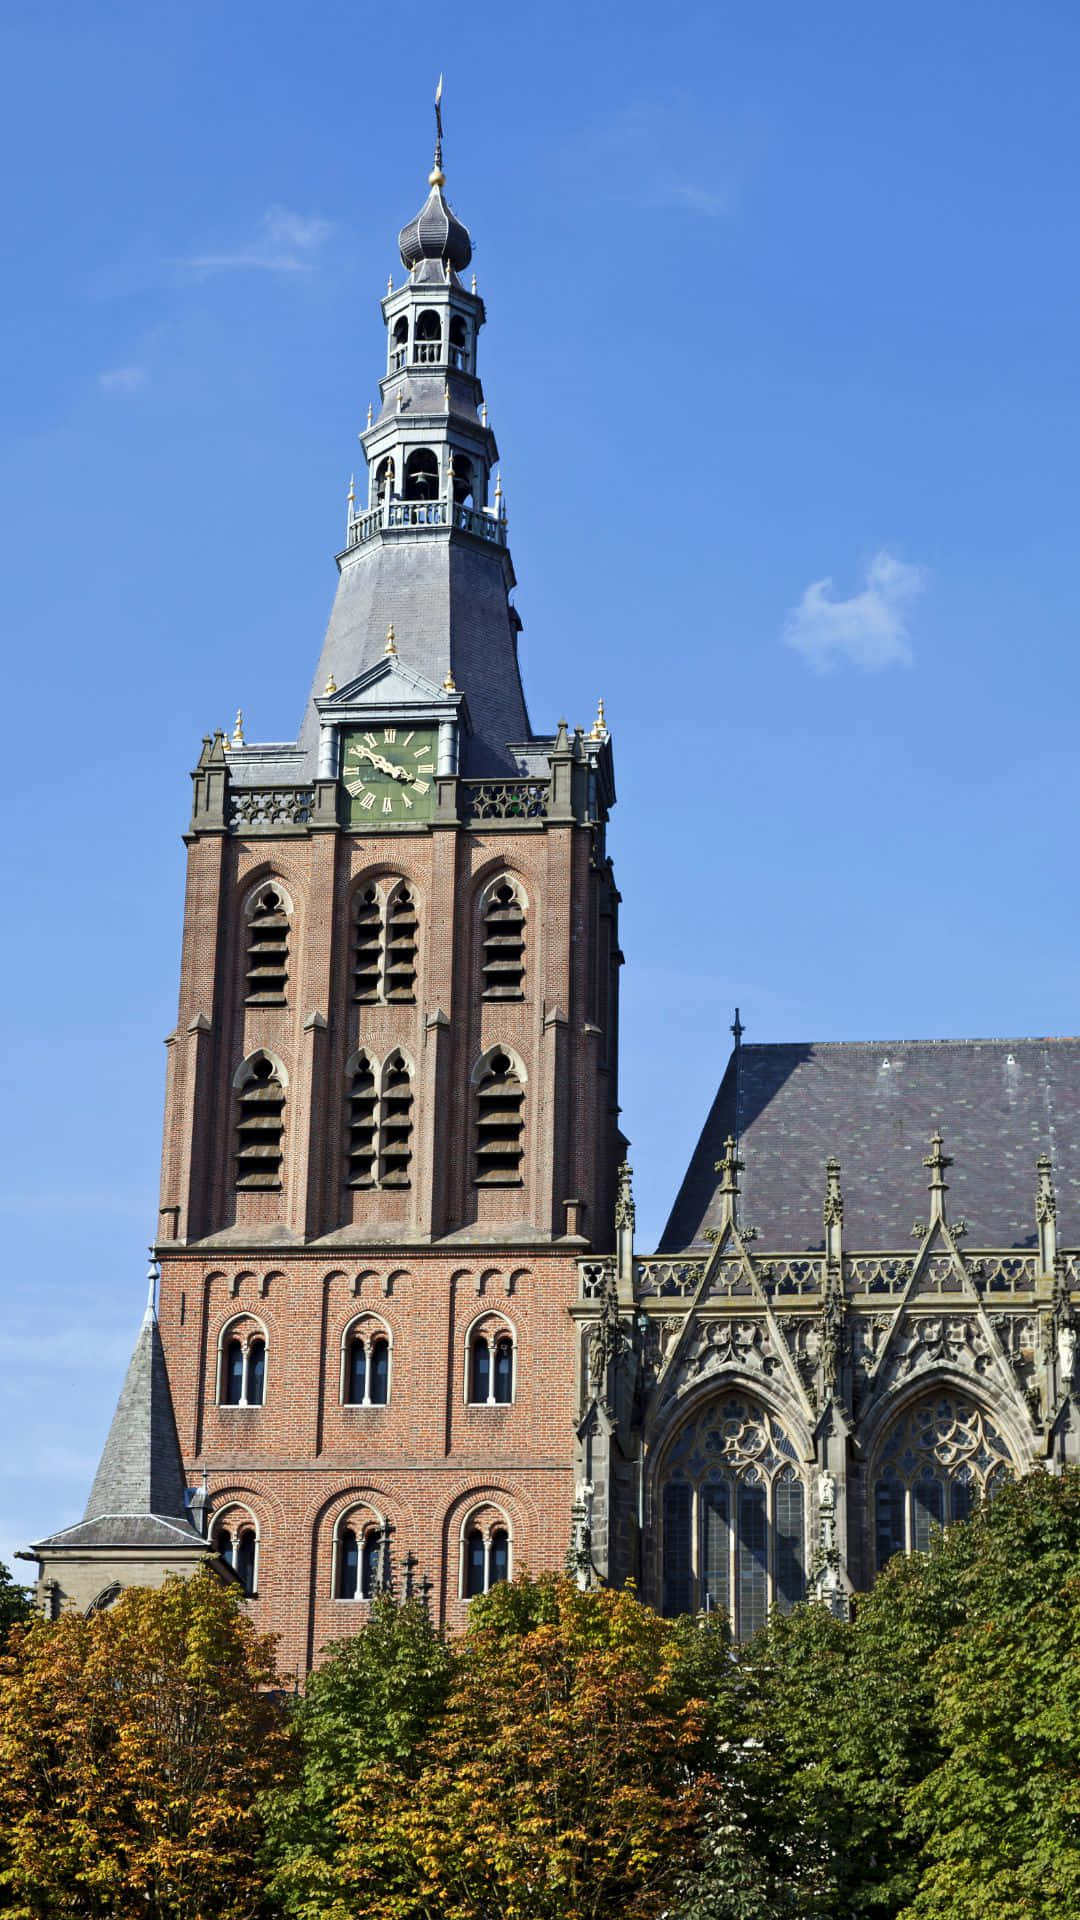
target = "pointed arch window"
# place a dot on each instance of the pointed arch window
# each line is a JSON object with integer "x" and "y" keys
{"x": 359, "y": 1559}
{"x": 732, "y": 1517}
{"x": 362, "y": 1123}
{"x": 242, "y": 1367}
{"x": 485, "y": 1553}
{"x": 500, "y": 1124}
{"x": 260, "y": 1124}
{"x": 237, "y": 1543}
{"x": 379, "y": 1122}
{"x": 503, "y": 962}
{"x": 267, "y": 974}
{"x": 366, "y": 1365}
{"x": 490, "y": 1365}
{"x": 385, "y": 934}
{"x": 934, "y": 1464}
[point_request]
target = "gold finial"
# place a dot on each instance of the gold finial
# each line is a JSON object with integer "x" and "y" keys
{"x": 599, "y": 725}
{"x": 225, "y": 741}
{"x": 370, "y": 412}
{"x": 474, "y": 283}
{"x": 500, "y": 510}
{"x": 448, "y": 684}
{"x": 352, "y": 490}
{"x": 391, "y": 646}
{"x": 446, "y": 395}
{"x": 389, "y": 283}
{"x": 331, "y": 685}
{"x": 483, "y": 414}
{"x": 238, "y": 730}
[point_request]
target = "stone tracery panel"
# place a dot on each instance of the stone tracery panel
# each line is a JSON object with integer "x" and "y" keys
{"x": 936, "y": 1461}
{"x": 732, "y": 1509}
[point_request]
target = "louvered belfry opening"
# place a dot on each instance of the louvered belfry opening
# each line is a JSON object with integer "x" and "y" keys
{"x": 400, "y": 971}
{"x": 395, "y": 1133}
{"x": 267, "y": 950}
{"x": 362, "y": 1122}
{"x": 260, "y": 1127}
{"x": 504, "y": 945}
{"x": 367, "y": 951}
{"x": 500, "y": 1125}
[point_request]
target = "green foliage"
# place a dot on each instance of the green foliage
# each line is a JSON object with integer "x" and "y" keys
{"x": 16, "y": 1607}
{"x": 370, "y": 1702}
{"x": 559, "y": 1783}
{"x": 132, "y": 1748}
{"x": 921, "y": 1760}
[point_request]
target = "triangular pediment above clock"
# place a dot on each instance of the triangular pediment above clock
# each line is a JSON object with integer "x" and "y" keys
{"x": 389, "y": 683}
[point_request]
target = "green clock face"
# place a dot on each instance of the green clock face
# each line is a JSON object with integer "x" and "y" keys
{"x": 389, "y": 774}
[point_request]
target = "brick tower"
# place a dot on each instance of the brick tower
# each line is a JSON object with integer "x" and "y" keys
{"x": 391, "y": 1114}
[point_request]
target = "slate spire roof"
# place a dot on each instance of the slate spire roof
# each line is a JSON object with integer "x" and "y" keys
{"x": 137, "y": 1499}
{"x": 1000, "y": 1104}
{"x": 436, "y": 233}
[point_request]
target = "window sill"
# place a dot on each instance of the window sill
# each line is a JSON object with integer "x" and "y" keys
{"x": 364, "y": 1406}
{"x": 240, "y": 1406}
{"x": 490, "y": 1406}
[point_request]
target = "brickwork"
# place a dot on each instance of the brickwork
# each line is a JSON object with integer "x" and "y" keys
{"x": 429, "y": 1263}
{"x": 425, "y": 1461}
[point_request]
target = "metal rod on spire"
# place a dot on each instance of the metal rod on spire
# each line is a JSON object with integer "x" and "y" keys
{"x": 438, "y": 127}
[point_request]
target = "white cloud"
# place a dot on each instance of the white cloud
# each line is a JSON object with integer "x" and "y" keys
{"x": 122, "y": 379}
{"x": 285, "y": 243}
{"x": 870, "y": 629}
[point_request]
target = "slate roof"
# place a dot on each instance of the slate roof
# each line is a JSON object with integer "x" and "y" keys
{"x": 874, "y": 1104}
{"x": 448, "y": 602}
{"x": 137, "y": 1499}
{"x": 435, "y": 234}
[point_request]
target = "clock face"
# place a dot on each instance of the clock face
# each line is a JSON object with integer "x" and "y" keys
{"x": 389, "y": 774}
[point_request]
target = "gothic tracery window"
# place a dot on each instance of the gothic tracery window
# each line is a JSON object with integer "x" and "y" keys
{"x": 732, "y": 1515}
{"x": 503, "y": 962}
{"x": 379, "y": 1122}
{"x": 500, "y": 1124}
{"x": 384, "y": 944}
{"x": 935, "y": 1464}
{"x": 267, "y": 972}
{"x": 260, "y": 1124}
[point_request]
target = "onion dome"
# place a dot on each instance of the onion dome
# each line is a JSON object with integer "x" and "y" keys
{"x": 436, "y": 233}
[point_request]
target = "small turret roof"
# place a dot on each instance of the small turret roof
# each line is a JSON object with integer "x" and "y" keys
{"x": 137, "y": 1498}
{"x": 436, "y": 233}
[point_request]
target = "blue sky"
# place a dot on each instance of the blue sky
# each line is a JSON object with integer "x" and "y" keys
{"x": 781, "y": 355}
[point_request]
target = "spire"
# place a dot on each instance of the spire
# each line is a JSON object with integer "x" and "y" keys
{"x": 436, "y": 233}
{"x": 140, "y": 1472}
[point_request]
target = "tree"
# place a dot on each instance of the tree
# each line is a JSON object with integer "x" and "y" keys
{"x": 16, "y": 1607}
{"x": 921, "y": 1760}
{"x": 371, "y": 1702}
{"x": 559, "y": 1783}
{"x": 133, "y": 1745}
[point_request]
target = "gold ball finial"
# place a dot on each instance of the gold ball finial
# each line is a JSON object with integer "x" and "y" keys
{"x": 352, "y": 489}
{"x": 599, "y": 725}
{"x": 370, "y": 413}
{"x": 391, "y": 644}
{"x": 474, "y": 283}
{"x": 483, "y": 414}
{"x": 389, "y": 283}
{"x": 331, "y": 686}
{"x": 448, "y": 684}
{"x": 436, "y": 178}
{"x": 446, "y": 395}
{"x": 238, "y": 730}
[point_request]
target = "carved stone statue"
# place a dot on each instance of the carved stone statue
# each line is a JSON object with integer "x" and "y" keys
{"x": 1066, "y": 1354}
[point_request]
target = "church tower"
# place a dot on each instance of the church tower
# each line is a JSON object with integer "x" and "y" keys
{"x": 392, "y": 1114}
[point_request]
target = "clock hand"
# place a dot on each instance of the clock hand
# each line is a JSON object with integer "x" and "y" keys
{"x": 385, "y": 766}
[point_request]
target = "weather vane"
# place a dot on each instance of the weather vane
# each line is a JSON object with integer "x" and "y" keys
{"x": 438, "y": 125}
